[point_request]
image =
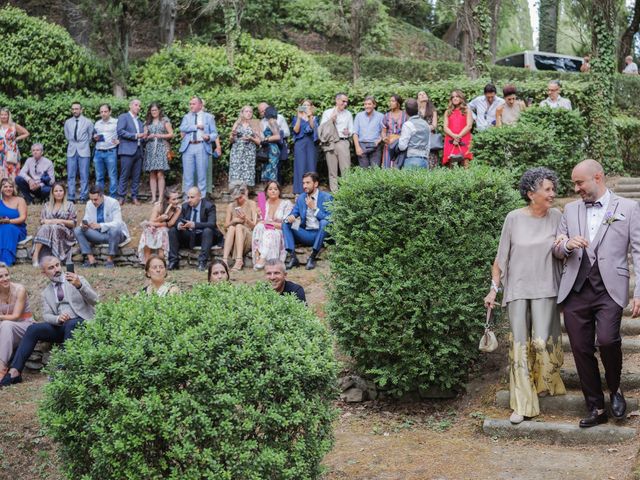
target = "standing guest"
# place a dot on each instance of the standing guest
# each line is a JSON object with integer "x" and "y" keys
{"x": 340, "y": 154}
{"x": 15, "y": 316}
{"x": 155, "y": 231}
{"x": 102, "y": 223}
{"x": 155, "y": 269}
{"x": 415, "y": 138}
{"x": 67, "y": 301}
{"x": 246, "y": 136}
{"x": 485, "y": 106}
{"x": 198, "y": 130}
{"x": 58, "y": 218}
{"x": 311, "y": 209}
{"x": 458, "y": 122}
{"x": 391, "y": 127}
{"x": 131, "y": 136}
{"x": 268, "y": 240}
{"x": 218, "y": 272}
{"x": 78, "y": 130}
{"x": 427, "y": 110}
{"x": 586, "y": 64}
{"x": 530, "y": 275}
{"x": 598, "y": 232}
{"x": 282, "y": 123}
{"x": 630, "y": 67}
{"x": 36, "y": 176}
{"x": 305, "y": 135}
{"x": 10, "y": 134}
{"x": 240, "y": 220}
{"x": 13, "y": 216}
{"x": 509, "y": 112}
{"x": 555, "y": 100}
{"x": 276, "y": 273}
{"x": 271, "y": 141}
{"x": 156, "y": 160}
{"x": 367, "y": 134}
{"x": 196, "y": 225}
{"x": 105, "y": 155}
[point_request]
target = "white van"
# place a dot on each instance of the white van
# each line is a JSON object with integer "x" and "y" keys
{"x": 542, "y": 61}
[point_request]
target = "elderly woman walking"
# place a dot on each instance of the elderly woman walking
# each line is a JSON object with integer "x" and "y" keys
{"x": 530, "y": 276}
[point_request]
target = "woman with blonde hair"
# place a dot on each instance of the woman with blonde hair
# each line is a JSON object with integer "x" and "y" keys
{"x": 245, "y": 138}
{"x": 58, "y": 218}
{"x": 13, "y": 217}
{"x": 241, "y": 218}
{"x": 458, "y": 122}
{"x": 10, "y": 134}
{"x": 155, "y": 231}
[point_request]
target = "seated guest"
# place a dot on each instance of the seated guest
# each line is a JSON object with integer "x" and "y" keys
{"x": 155, "y": 231}
{"x": 13, "y": 216}
{"x": 36, "y": 176}
{"x": 15, "y": 316}
{"x": 67, "y": 301}
{"x": 276, "y": 273}
{"x": 102, "y": 223}
{"x": 311, "y": 209}
{"x": 196, "y": 225}
{"x": 218, "y": 272}
{"x": 415, "y": 138}
{"x": 242, "y": 216}
{"x": 268, "y": 241}
{"x": 155, "y": 269}
{"x": 57, "y": 220}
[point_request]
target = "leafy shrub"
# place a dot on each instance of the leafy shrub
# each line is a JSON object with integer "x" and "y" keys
{"x": 626, "y": 98}
{"x": 203, "y": 68}
{"x": 629, "y": 137}
{"x": 409, "y": 269}
{"x": 543, "y": 137}
{"x": 222, "y": 382}
{"x": 39, "y": 58}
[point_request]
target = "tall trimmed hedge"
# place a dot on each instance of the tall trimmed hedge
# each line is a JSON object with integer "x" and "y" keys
{"x": 409, "y": 269}
{"x": 222, "y": 382}
{"x": 40, "y": 58}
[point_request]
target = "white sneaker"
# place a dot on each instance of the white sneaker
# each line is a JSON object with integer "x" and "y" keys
{"x": 515, "y": 418}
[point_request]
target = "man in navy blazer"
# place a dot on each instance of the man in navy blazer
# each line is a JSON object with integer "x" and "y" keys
{"x": 198, "y": 130}
{"x": 311, "y": 208}
{"x": 131, "y": 135}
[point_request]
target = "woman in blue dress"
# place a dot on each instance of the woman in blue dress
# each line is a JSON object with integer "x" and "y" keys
{"x": 272, "y": 138}
{"x": 305, "y": 136}
{"x": 13, "y": 215}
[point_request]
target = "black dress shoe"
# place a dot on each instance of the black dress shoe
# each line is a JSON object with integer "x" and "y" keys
{"x": 594, "y": 419}
{"x": 202, "y": 266}
{"x": 9, "y": 380}
{"x": 311, "y": 263}
{"x": 293, "y": 262}
{"x": 618, "y": 405}
{"x": 173, "y": 266}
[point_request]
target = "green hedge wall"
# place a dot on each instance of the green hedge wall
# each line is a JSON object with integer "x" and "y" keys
{"x": 222, "y": 382}
{"x": 410, "y": 267}
{"x": 629, "y": 138}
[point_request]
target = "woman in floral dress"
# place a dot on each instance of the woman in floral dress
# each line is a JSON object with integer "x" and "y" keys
{"x": 156, "y": 158}
{"x": 245, "y": 138}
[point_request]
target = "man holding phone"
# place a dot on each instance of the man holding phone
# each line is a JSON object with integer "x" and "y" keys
{"x": 67, "y": 301}
{"x": 105, "y": 156}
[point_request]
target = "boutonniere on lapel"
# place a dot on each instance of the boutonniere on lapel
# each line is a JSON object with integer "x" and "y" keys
{"x": 609, "y": 218}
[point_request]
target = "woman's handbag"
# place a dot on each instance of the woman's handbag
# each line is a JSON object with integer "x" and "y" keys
{"x": 436, "y": 142}
{"x": 456, "y": 157}
{"x": 488, "y": 342}
{"x": 262, "y": 153}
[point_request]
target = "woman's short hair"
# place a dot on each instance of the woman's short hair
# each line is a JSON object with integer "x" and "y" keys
{"x": 147, "y": 264}
{"x": 509, "y": 90}
{"x": 237, "y": 190}
{"x": 217, "y": 261}
{"x": 532, "y": 180}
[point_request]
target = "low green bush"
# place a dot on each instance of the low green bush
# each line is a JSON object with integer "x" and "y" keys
{"x": 39, "y": 58}
{"x": 409, "y": 269}
{"x": 629, "y": 138}
{"x": 222, "y": 382}
{"x": 546, "y": 137}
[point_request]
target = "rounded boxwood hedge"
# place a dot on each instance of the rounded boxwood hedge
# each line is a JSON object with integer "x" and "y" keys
{"x": 221, "y": 382}
{"x": 411, "y": 264}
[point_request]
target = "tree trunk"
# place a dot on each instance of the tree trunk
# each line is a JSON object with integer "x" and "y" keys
{"x": 474, "y": 25}
{"x": 230, "y": 34}
{"x": 168, "y": 15}
{"x": 356, "y": 37}
{"x": 548, "y": 25}
{"x": 494, "y": 9}
{"x": 626, "y": 41}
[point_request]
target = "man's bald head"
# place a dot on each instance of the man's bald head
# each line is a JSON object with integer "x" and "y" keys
{"x": 590, "y": 167}
{"x": 193, "y": 196}
{"x": 588, "y": 180}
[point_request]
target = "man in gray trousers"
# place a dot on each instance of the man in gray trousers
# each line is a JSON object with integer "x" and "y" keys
{"x": 78, "y": 130}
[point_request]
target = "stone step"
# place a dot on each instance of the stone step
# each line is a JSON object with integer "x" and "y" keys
{"x": 570, "y": 404}
{"x": 558, "y": 433}
{"x": 629, "y": 326}
{"x": 629, "y": 381}
{"x": 628, "y": 180}
{"x": 627, "y": 187}
{"x": 629, "y": 345}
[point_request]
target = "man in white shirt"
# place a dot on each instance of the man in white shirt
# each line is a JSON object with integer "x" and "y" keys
{"x": 484, "y": 107}
{"x": 630, "y": 68}
{"x": 340, "y": 156}
{"x": 554, "y": 100}
{"x": 105, "y": 155}
{"x": 36, "y": 176}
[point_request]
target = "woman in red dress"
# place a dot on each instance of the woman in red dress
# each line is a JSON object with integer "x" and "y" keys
{"x": 458, "y": 122}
